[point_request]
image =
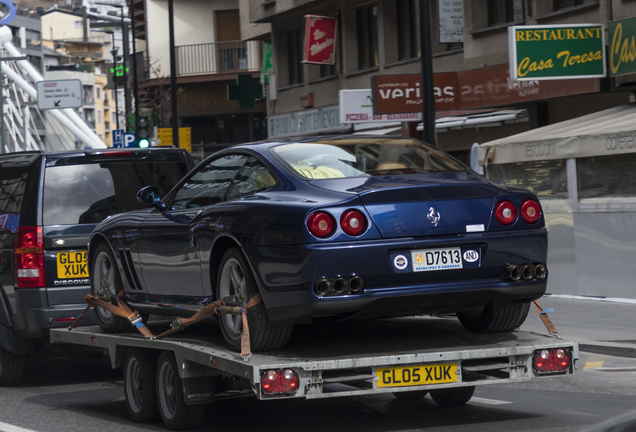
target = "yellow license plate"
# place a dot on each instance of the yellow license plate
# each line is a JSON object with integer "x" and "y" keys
{"x": 72, "y": 265}
{"x": 417, "y": 375}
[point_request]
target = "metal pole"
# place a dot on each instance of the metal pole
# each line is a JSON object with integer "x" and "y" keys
{"x": 4, "y": 148}
{"x": 125, "y": 42}
{"x": 173, "y": 77}
{"x": 134, "y": 59}
{"x": 428, "y": 98}
{"x": 114, "y": 53}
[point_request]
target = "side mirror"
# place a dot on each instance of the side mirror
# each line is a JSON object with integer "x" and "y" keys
{"x": 150, "y": 196}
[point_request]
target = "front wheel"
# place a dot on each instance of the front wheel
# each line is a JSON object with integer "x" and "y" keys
{"x": 105, "y": 284}
{"x": 237, "y": 282}
{"x": 139, "y": 386}
{"x": 491, "y": 319}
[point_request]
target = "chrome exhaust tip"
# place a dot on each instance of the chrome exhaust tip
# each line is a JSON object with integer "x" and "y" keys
{"x": 540, "y": 271}
{"x": 514, "y": 272}
{"x": 322, "y": 287}
{"x": 527, "y": 272}
{"x": 356, "y": 284}
{"x": 340, "y": 286}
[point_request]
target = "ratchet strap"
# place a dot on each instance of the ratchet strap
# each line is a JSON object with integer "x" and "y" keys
{"x": 547, "y": 322}
{"x": 218, "y": 307}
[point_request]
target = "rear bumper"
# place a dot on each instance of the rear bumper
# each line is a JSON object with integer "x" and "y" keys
{"x": 287, "y": 276}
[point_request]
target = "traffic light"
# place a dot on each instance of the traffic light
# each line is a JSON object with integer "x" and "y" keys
{"x": 143, "y": 132}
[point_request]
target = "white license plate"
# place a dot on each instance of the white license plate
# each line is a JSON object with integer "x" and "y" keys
{"x": 436, "y": 259}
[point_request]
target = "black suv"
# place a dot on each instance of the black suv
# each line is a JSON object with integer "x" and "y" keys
{"x": 49, "y": 205}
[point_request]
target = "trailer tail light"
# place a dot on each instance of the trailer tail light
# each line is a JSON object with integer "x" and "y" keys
{"x": 280, "y": 382}
{"x": 552, "y": 361}
{"x": 29, "y": 258}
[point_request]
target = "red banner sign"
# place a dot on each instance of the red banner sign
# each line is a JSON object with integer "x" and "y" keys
{"x": 320, "y": 40}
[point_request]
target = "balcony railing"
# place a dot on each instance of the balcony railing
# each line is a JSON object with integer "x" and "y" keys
{"x": 219, "y": 57}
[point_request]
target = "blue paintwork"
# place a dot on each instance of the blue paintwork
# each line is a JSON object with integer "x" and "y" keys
{"x": 173, "y": 254}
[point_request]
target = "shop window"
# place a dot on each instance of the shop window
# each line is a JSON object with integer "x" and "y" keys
{"x": 546, "y": 178}
{"x": 295, "y": 56}
{"x": 564, "y": 4}
{"x": 367, "y": 26}
{"x": 504, "y": 11}
{"x": 408, "y": 29}
{"x": 606, "y": 176}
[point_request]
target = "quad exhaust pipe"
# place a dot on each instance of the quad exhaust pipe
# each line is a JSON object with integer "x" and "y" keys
{"x": 525, "y": 272}
{"x": 338, "y": 286}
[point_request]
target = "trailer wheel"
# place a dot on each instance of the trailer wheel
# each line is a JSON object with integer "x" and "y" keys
{"x": 172, "y": 407}
{"x": 236, "y": 280}
{"x": 105, "y": 283}
{"x": 12, "y": 367}
{"x": 452, "y": 396}
{"x": 410, "y": 395}
{"x": 491, "y": 319}
{"x": 139, "y": 386}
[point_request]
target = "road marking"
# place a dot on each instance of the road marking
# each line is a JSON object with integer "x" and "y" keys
{"x": 6, "y": 427}
{"x": 485, "y": 401}
{"x": 594, "y": 362}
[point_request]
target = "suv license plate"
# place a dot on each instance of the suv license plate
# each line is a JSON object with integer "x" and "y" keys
{"x": 417, "y": 375}
{"x": 436, "y": 259}
{"x": 72, "y": 265}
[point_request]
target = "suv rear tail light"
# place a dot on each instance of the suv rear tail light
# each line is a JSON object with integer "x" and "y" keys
{"x": 29, "y": 258}
{"x": 556, "y": 360}
{"x": 506, "y": 212}
{"x": 353, "y": 222}
{"x": 530, "y": 211}
{"x": 320, "y": 224}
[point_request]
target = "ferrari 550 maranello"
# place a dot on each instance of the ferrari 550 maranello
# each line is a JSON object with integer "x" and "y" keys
{"x": 347, "y": 227}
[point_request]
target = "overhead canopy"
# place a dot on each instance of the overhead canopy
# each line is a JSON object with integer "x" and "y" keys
{"x": 608, "y": 132}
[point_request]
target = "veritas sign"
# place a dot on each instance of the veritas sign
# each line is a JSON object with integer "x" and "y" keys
{"x": 556, "y": 52}
{"x": 622, "y": 49}
{"x": 320, "y": 40}
{"x": 395, "y": 94}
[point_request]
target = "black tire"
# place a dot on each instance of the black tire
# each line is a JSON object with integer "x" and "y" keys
{"x": 12, "y": 367}
{"x": 139, "y": 386}
{"x": 105, "y": 283}
{"x": 452, "y": 396}
{"x": 490, "y": 319}
{"x": 236, "y": 280}
{"x": 174, "y": 412}
{"x": 410, "y": 395}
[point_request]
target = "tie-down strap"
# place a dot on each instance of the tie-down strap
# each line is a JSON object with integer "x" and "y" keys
{"x": 218, "y": 307}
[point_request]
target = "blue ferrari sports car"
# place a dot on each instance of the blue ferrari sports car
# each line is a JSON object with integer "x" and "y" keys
{"x": 329, "y": 227}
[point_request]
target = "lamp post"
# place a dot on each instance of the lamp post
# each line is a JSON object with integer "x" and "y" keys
{"x": 114, "y": 53}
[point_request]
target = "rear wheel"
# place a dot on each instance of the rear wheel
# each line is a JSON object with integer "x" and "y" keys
{"x": 236, "y": 281}
{"x": 106, "y": 283}
{"x": 452, "y": 396}
{"x": 491, "y": 319}
{"x": 172, "y": 407}
{"x": 139, "y": 386}
{"x": 11, "y": 367}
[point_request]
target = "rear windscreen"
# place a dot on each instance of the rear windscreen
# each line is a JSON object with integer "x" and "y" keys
{"x": 88, "y": 193}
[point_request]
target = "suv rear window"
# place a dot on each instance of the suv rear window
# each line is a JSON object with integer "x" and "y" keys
{"x": 88, "y": 193}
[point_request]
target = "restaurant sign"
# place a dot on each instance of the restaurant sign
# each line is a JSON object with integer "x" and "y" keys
{"x": 556, "y": 52}
{"x": 622, "y": 49}
{"x": 320, "y": 40}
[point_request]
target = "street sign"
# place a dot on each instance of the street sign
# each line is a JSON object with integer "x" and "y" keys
{"x": 164, "y": 137}
{"x": 118, "y": 138}
{"x": 59, "y": 94}
{"x": 130, "y": 140}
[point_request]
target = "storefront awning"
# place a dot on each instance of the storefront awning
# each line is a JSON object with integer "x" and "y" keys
{"x": 608, "y": 132}
{"x": 459, "y": 121}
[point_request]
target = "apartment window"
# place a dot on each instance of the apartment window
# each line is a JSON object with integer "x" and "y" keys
{"x": 504, "y": 11}
{"x": 366, "y": 19}
{"x": 295, "y": 56}
{"x": 564, "y": 4}
{"x": 408, "y": 28}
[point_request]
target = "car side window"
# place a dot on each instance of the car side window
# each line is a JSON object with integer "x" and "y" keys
{"x": 210, "y": 183}
{"x": 253, "y": 177}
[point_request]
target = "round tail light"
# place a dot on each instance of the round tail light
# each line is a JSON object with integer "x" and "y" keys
{"x": 506, "y": 212}
{"x": 353, "y": 222}
{"x": 320, "y": 224}
{"x": 530, "y": 211}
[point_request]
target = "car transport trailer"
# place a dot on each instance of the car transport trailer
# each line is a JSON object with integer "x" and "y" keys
{"x": 173, "y": 378}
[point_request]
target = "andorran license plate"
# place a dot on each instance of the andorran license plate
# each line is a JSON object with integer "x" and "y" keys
{"x": 436, "y": 259}
{"x": 417, "y": 375}
{"x": 72, "y": 265}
